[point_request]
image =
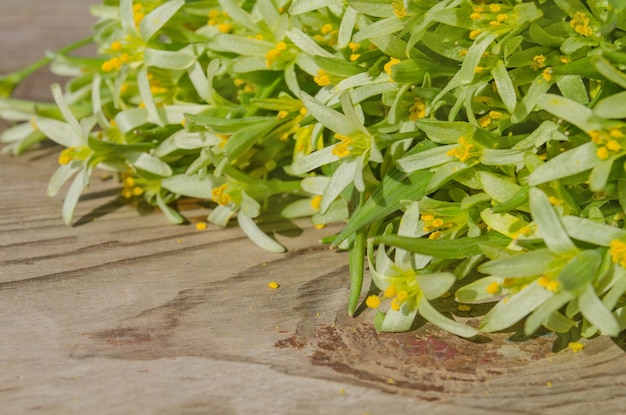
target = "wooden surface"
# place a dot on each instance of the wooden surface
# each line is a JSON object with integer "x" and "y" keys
{"x": 124, "y": 313}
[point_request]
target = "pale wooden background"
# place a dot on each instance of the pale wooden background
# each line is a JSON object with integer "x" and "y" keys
{"x": 124, "y": 313}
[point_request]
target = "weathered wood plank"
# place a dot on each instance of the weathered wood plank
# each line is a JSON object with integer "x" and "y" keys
{"x": 125, "y": 313}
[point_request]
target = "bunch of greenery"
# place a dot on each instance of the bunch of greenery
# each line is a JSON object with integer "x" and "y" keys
{"x": 468, "y": 146}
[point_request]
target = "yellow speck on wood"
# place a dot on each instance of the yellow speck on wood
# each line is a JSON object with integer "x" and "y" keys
{"x": 273, "y": 285}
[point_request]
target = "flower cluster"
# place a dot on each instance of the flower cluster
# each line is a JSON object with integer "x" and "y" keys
{"x": 473, "y": 150}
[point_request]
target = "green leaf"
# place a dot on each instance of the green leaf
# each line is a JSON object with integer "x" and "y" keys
{"x": 243, "y": 139}
{"x": 505, "y": 86}
{"x": 398, "y": 321}
{"x": 341, "y": 178}
{"x": 476, "y": 292}
{"x": 436, "y": 284}
{"x": 580, "y": 272}
{"x": 59, "y": 132}
{"x": 442, "y": 248}
{"x": 62, "y": 175}
{"x": 73, "y": 194}
{"x": 611, "y": 107}
{"x": 526, "y": 264}
{"x": 568, "y": 163}
{"x": 427, "y": 311}
{"x": 157, "y": 18}
{"x": 256, "y": 235}
{"x": 549, "y": 225}
{"x": 385, "y": 200}
{"x": 150, "y": 164}
{"x": 190, "y": 186}
{"x": 182, "y": 59}
{"x": 596, "y": 312}
{"x": 172, "y": 215}
{"x": 331, "y": 119}
{"x": 571, "y": 111}
{"x": 446, "y": 132}
{"x": 514, "y": 308}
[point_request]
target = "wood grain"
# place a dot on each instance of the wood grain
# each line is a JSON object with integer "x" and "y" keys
{"x": 124, "y": 313}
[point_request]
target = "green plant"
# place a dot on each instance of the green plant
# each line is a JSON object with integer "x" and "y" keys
{"x": 467, "y": 145}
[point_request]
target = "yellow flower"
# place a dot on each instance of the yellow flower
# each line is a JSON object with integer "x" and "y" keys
{"x": 322, "y": 78}
{"x": 390, "y": 64}
{"x": 539, "y": 61}
{"x": 219, "y": 195}
{"x": 398, "y": 9}
{"x": 617, "y": 249}
{"x": 66, "y": 156}
{"x": 463, "y": 152}
{"x": 341, "y": 150}
{"x": 580, "y": 24}
{"x": 417, "y": 110}
{"x": 547, "y": 74}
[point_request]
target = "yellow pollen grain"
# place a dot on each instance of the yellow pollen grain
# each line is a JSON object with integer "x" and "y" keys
{"x": 464, "y": 308}
{"x": 373, "y": 301}
{"x": 225, "y": 27}
{"x": 273, "y": 285}
{"x": 201, "y": 226}
{"x": 602, "y": 153}
{"x": 543, "y": 281}
{"x": 326, "y": 29}
{"x": 616, "y": 133}
{"x": 316, "y": 202}
{"x": 553, "y": 286}
{"x": 434, "y": 235}
{"x": 395, "y": 304}
{"x": 390, "y": 291}
{"x": 390, "y": 64}
{"x": 402, "y": 295}
{"x": 495, "y": 8}
{"x": 476, "y": 16}
{"x": 474, "y": 34}
{"x": 493, "y": 287}
{"x": 494, "y": 23}
{"x": 117, "y": 45}
{"x": 354, "y": 56}
{"x": 437, "y": 222}
{"x": 282, "y": 114}
{"x": 502, "y": 17}
{"x": 576, "y": 346}
{"x": 613, "y": 145}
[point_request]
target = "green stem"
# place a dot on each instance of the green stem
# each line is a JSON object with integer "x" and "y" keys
{"x": 15, "y": 78}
